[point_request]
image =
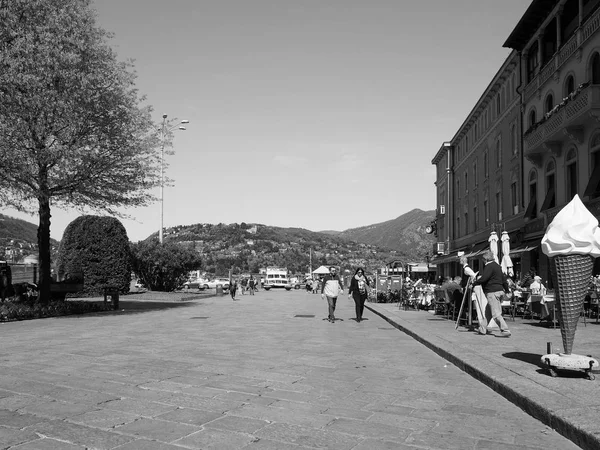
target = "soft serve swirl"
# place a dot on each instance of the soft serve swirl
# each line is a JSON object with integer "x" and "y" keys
{"x": 574, "y": 230}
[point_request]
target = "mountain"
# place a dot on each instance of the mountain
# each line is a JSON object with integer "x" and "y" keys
{"x": 405, "y": 234}
{"x": 249, "y": 247}
{"x": 18, "y": 238}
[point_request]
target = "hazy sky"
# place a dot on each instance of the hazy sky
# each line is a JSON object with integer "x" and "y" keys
{"x": 319, "y": 114}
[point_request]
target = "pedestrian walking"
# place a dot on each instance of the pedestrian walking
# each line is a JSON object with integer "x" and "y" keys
{"x": 251, "y": 284}
{"x": 330, "y": 289}
{"x": 359, "y": 291}
{"x": 232, "y": 288}
{"x": 492, "y": 282}
{"x": 244, "y": 285}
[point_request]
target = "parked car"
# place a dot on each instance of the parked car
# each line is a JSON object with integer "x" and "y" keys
{"x": 212, "y": 284}
{"x": 196, "y": 284}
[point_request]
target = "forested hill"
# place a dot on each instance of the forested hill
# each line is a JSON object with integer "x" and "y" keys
{"x": 405, "y": 233}
{"x": 252, "y": 246}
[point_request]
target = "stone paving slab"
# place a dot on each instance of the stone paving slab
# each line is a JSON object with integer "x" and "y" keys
{"x": 511, "y": 366}
{"x": 250, "y": 376}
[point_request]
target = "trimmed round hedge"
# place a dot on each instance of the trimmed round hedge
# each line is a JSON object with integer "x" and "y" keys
{"x": 98, "y": 247}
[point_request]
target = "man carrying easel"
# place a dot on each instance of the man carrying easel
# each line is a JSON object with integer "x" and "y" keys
{"x": 468, "y": 278}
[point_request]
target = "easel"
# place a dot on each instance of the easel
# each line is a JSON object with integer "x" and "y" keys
{"x": 466, "y": 296}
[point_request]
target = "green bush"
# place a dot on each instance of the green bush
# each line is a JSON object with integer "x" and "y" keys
{"x": 11, "y": 311}
{"x": 163, "y": 267}
{"x": 99, "y": 248}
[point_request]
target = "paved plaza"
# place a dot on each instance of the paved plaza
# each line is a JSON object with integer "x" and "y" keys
{"x": 263, "y": 372}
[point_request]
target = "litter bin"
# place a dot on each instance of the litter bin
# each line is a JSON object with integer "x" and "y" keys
{"x": 219, "y": 289}
{"x": 111, "y": 294}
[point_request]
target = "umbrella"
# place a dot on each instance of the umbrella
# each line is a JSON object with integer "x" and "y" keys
{"x": 507, "y": 265}
{"x": 494, "y": 245}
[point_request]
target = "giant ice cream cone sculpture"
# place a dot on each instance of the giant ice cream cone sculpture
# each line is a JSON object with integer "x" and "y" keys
{"x": 572, "y": 241}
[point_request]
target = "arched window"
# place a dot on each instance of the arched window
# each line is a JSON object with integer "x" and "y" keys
{"x": 592, "y": 189}
{"x": 571, "y": 173}
{"x": 550, "y": 200}
{"x": 532, "y": 118}
{"x": 531, "y": 212}
{"x": 569, "y": 85}
{"x": 549, "y": 103}
{"x": 595, "y": 69}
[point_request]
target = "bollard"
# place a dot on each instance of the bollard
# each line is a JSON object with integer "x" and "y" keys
{"x": 548, "y": 347}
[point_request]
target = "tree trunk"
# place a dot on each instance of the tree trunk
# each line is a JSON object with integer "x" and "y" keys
{"x": 43, "y": 235}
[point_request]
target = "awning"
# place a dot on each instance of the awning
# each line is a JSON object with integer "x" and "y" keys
{"x": 519, "y": 250}
{"x": 441, "y": 259}
{"x": 477, "y": 250}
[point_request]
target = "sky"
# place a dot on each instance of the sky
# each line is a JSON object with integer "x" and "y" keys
{"x": 318, "y": 114}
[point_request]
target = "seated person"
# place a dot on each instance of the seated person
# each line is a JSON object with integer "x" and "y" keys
{"x": 454, "y": 290}
{"x": 537, "y": 288}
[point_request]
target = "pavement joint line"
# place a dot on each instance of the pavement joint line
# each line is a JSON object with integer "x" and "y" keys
{"x": 564, "y": 427}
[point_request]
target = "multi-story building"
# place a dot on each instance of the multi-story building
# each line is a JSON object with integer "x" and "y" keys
{"x": 479, "y": 172}
{"x": 559, "y": 43}
{"x": 548, "y": 132}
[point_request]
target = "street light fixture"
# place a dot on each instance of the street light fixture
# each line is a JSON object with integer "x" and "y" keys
{"x": 165, "y": 129}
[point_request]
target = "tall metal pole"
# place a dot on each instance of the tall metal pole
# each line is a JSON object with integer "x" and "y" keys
{"x": 162, "y": 171}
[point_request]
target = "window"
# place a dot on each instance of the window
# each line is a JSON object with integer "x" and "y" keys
{"x": 532, "y": 118}
{"x": 486, "y": 172}
{"x": 458, "y": 227}
{"x": 466, "y": 144}
{"x": 514, "y": 83}
{"x": 475, "y": 132}
{"x": 592, "y": 189}
{"x": 485, "y": 120}
{"x": 549, "y": 103}
{"x": 466, "y": 223}
{"x": 569, "y": 85}
{"x": 486, "y": 212}
{"x": 514, "y": 142}
{"x": 532, "y": 61}
{"x": 498, "y": 206}
{"x": 514, "y": 198}
{"x": 466, "y": 182}
{"x": 499, "y": 152}
{"x": 475, "y": 173}
{"x": 595, "y": 69}
{"x": 458, "y": 188}
{"x": 550, "y": 200}
{"x": 475, "y": 219}
{"x": 571, "y": 173}
{"x": 498, "y": 109}
{"x": 531, "y": 212}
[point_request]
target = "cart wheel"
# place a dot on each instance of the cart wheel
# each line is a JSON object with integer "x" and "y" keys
{"x": 590, "y": 376}
{"x": 552, "y": 372}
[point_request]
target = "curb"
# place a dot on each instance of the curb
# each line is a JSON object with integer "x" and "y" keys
{"x": 580, "y": 437}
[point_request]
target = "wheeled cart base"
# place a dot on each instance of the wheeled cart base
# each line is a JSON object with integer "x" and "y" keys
{"x": 578, "y": 363}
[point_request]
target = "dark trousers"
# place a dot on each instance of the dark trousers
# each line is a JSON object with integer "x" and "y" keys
{"x": 359, "y": 303}
{"x": 331, "y": 301}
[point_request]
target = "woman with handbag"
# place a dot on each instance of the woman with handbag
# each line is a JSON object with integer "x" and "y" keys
{"x": 359, "y": 291}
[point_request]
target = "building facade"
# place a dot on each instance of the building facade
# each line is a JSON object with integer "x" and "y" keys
{"x": 541, "y": 147}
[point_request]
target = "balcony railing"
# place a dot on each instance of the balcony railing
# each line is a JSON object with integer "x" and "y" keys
{"x": 562, "y": 123}
{"x": 587, "y": 30}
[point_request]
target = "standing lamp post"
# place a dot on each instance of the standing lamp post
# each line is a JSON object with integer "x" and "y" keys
{"x": 166, "y": 128}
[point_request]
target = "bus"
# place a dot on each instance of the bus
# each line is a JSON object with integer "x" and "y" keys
{"x": 276, "y": 277}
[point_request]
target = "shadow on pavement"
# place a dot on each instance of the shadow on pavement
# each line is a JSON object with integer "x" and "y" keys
{"x": 530, "y": 358}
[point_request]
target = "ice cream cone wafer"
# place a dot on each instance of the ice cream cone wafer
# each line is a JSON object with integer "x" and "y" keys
{"x": 571, "y": 274}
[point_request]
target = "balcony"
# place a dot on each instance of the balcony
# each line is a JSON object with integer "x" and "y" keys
{"x": 575, "y": 42}
{"x": 564, "y": 124}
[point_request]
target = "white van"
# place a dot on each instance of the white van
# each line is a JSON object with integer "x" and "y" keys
{"x": 277, "y": 277}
